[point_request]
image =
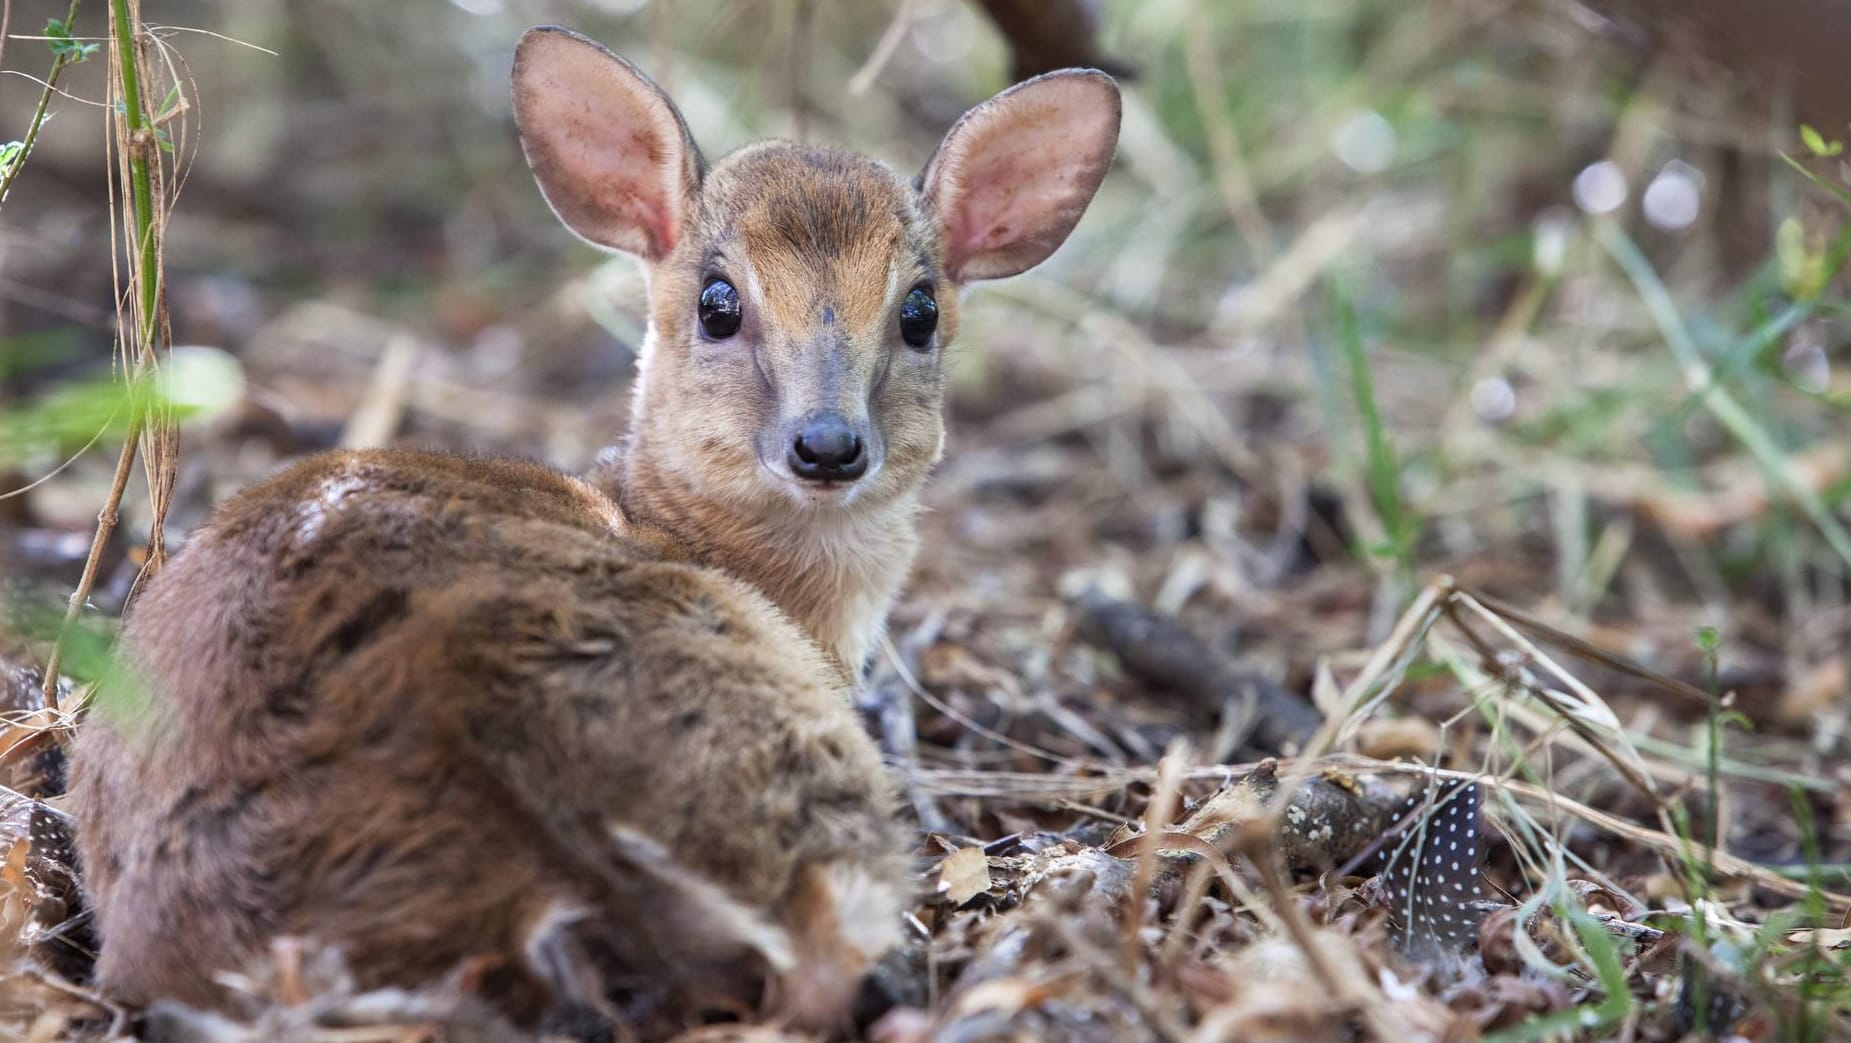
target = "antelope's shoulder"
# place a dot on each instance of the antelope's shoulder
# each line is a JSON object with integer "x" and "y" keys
{"x": 330, "y": 500}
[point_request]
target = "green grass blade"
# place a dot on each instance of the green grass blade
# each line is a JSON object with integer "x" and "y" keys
{"x": 1720, "y": 403}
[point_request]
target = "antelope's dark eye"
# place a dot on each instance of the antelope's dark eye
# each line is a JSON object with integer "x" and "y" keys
{"x": 719, "y": 309}
{"x": 918, "y": 317}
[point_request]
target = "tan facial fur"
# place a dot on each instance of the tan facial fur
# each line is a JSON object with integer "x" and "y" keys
{"x": 592, "y": 737}
{"x": 821, "y": 245}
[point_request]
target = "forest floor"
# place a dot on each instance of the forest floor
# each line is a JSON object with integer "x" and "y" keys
{"x": 1534, "y": 502}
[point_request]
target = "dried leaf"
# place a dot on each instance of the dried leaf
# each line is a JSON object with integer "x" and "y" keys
{"x": 1326, "y": 693}
{"x": 1399, "y": 737}
{"x": 1004, "y": 995}
{"x": 13, "y": 869}
{"x": 964, "y": 874}
{"x": 1834, "y": 939}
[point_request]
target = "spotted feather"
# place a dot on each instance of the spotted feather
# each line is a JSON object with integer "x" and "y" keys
{"x": 1432, "y": 870}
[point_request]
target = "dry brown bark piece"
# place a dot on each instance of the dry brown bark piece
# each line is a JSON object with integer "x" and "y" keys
{"x": 1162, "y": 652}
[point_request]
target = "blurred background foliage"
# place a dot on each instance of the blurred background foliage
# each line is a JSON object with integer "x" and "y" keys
{"x": 1524, "y": 289}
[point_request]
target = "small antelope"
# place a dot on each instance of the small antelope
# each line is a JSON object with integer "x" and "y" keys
{"x": 591, "y": 739}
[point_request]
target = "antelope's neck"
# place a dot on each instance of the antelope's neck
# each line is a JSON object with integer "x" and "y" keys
{"x": 835, "y": 573}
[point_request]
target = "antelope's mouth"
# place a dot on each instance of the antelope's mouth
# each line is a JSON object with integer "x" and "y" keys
{"x": 815, "y": 493}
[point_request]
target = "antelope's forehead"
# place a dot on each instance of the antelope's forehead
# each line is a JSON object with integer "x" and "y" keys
{"x": 824, "y": 231}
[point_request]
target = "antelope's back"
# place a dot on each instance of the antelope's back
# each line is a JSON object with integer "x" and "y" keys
{"x": 377, "y": 699}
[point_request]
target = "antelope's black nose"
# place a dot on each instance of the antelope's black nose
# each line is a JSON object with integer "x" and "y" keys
{"x": 827, "y": 449}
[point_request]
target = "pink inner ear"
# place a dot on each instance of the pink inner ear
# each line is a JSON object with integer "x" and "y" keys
{"x": 608, "y": 151}
{"x": 631, "y": 174}
{"x": 984, "y": 222}
{"x": 1015, "y": 176}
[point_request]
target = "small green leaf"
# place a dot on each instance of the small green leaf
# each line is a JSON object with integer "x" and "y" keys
{"x": 63, "y": 45}
{"x": 1708, "y": 638}
{"x": 1816, "y": 142}
{"x": 1735, "y": 719}
{"x": 1802, "y": 269}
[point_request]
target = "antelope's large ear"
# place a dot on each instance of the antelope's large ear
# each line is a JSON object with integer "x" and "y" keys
{"x": 1013, "y": 176}
{"x": 610, "y": 151}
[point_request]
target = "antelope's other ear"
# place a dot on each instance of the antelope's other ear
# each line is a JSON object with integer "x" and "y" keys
{"x": 1013, "y": 176}
{"x": 610, "y": 151}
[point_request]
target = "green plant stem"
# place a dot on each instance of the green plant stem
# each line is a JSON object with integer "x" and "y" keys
{"x": 1843, "y": 195}
{"x": 1712, "y": 824}
{"x": 38, "y": 114}
{"x": 1738, "y": 358}
{"x": 1384, "y": 470}
{"x": 139, "y": 144}
{"x": 1583, "y": 1021}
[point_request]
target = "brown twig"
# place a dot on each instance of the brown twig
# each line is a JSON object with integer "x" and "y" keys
{"x": 138, "y": 152}
{"x": 1298, "y": 928}
{"x": 1632, "y": 773}
{"x": 105, "y": 528}
{"x": 889, "y": 42}
{"x": 803, "y": 19}
{"x": 1591, "y": 652}
{"x": 1231, "y": 175}
{"x": 1157, "y": 815}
